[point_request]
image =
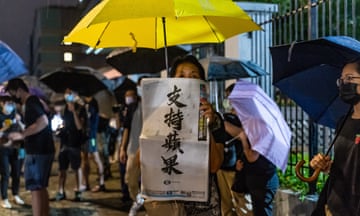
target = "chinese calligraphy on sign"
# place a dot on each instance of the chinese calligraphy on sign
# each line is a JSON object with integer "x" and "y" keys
{"x": 174, "y": 143}
{"x": 173, "y": 120}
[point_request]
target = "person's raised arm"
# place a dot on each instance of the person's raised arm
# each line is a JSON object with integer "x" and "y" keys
{"x": 217, "y": 132}
{"x": 251, "y": 155}
{"x": 40, "y": 123}
{"x": 78, "y": 122}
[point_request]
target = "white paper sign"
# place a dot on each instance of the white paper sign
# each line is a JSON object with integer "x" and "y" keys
{"x": 174, "y": 142}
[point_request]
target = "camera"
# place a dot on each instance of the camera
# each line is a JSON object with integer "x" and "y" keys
{"x": 118, "y": 108}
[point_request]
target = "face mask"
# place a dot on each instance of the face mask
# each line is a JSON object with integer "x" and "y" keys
{"x": 69, "y": 98}
{"x": 349, "y": 94}
{"x": 129, "y": 100}
{"x": 8, "y": 108}
{"x": 227, "y": 105}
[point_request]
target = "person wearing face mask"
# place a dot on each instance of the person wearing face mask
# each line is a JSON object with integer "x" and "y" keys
{"x": 189, "y": 67}
{"x": 341, "y": 193}
{"x": 70, "y": 144}
{"x": 130, "y": 145}
{"x": 9, "y": 155}
{"x": 38, "y": 144}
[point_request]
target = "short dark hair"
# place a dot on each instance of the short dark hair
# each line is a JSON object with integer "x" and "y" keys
{"x": 187, "y": 59}
{"x": 15, "y": 84}
{"x": 230, "y": 88}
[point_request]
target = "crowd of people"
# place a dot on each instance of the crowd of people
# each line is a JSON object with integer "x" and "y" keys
{"x": 241, "y": 180}
{"x": 78, "y": 134}
{"x": 27, "y": 137}
{"x": 224, "y": 199}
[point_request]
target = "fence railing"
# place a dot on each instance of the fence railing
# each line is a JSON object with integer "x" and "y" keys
{"x": 296, "y": 20}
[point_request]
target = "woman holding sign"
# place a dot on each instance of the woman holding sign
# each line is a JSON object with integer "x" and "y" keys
{"x": 189, "y": 67}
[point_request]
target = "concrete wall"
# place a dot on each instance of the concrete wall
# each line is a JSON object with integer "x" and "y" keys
{"x": 287, "y": 203}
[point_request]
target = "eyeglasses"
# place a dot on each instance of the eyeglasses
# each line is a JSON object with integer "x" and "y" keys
{"x": 345, "y": 80}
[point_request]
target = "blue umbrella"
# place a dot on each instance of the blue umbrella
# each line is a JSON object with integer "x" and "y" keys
{"x": 307, "y": 71}
{"x": 223, "y": 68}
{"x": 11, "y": 65}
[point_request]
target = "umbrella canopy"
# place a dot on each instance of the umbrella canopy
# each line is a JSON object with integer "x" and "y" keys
{"x": 142, "y": 23}
{"x": 84, "y": 80}
{"x": 155, "y": 24}
{"x": 223, "y": 68}
{"x": 106, "y": 100}
{"x": 110, "y": 73}
{"x": 262, "y": 121}
{"x": 11, "y": 65}
{"x": 36, "y": 87}
{"x": 144, "y": 60}
{"x": 320, "y": 62}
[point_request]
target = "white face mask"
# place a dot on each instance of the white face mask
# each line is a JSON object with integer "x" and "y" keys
{"x": 8, "y": 108}
{"x": 129, "y": 100}
{"x": 69, "y": 97}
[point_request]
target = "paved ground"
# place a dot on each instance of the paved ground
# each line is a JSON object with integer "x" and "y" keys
{"x": 95, "y": 204}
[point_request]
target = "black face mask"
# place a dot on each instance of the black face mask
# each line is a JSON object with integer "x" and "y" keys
{"x": 349, "y": 94}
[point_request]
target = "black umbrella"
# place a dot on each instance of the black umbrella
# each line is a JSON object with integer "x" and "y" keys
{"x": 223, "y": 68}
{"x": 84, "y": 80}
{"x": 144, "y": 60}
{"x": 307, "y": 71}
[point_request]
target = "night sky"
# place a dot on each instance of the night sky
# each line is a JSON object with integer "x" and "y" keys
{"x": 16, "y": 22}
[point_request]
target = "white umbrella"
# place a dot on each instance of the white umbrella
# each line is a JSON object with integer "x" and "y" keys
{"x": 262, "y": 121}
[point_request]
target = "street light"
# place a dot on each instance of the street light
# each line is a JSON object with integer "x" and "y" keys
{"x": 68, "y": 57}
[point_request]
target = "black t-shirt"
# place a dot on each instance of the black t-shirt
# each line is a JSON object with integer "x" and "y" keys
{"x": 71, "y": 136}
{"x": 131, "y": 108}
{"x": 41, "y": 142}
{"x": 344, "y": 179}
{"x": 262, "y": 166}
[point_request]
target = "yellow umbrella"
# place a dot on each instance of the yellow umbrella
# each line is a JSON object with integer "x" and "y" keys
{"x": 155, "y": 24}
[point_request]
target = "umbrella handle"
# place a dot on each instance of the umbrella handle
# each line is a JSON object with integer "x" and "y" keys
{"x": 301, "y": 177}
{"x": 317, "y": 171}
